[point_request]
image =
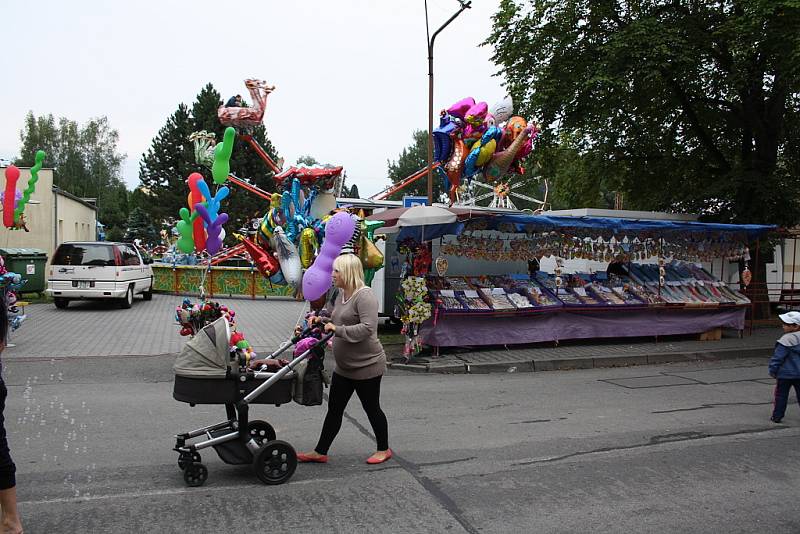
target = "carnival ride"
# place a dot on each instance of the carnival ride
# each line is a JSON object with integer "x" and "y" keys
{"x": 291, "y": 235}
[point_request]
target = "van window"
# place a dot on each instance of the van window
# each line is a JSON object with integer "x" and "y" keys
{"x": 129, "y": 256}
{"x": 84, "y": 254}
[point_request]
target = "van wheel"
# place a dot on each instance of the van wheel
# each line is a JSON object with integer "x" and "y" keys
{"x": 61, "y": 304}
{"x": 148, "y": 295}
{"x": 127, "y": 300}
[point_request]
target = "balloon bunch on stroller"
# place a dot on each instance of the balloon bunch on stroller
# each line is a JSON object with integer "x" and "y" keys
{"x": 193, "y": 317}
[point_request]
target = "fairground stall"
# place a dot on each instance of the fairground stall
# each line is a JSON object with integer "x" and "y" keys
{"x": 513, "y": 278}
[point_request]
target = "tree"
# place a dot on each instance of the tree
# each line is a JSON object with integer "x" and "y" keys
{"x": 84, "y": 158}
{"x": 140, "y": 226}
{"x": 307, "y": 161}
{"x": 163, "y": 170}
{"x": 413, "y": 158}
{"x": 688, "y": 106}
{"x": 354, "y": 192}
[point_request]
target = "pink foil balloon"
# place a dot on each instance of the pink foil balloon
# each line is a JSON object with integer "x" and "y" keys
{"x": 460, "y": 108}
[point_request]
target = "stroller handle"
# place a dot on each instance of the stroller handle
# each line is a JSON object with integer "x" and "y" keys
{"x": 304, "y": 333}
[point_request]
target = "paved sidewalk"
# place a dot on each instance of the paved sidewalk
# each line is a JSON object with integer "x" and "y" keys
{"x": 588, "y": 355}
{"x": 146, "y": 329}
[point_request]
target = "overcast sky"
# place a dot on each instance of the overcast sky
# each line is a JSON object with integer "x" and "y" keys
{"x": 350, "y": 75}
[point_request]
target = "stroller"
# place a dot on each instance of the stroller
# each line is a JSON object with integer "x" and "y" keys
{"x": 207, "y": 372}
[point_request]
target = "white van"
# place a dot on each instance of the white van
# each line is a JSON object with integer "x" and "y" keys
{"x": 99, "y": 270}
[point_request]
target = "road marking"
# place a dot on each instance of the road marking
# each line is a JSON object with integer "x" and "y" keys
{"x": 159, "y": 493}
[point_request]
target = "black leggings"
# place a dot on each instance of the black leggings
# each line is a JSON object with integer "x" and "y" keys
{"x": 369, "y": 392}
{"x": 7, "y": 467}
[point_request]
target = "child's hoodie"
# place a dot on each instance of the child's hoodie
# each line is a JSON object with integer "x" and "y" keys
{"x": 785, "y": 362}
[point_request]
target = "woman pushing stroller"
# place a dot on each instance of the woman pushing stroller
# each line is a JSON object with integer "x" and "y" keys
{"x": 360, "y": 360}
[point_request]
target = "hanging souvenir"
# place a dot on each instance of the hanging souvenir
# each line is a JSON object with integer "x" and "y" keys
{"x": 441, "y": 265}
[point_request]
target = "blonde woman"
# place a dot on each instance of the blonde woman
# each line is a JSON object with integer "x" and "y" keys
{"x": 360, "y": 360}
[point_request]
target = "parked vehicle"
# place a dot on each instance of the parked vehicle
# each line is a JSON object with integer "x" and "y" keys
{"x": 84, "y": 270}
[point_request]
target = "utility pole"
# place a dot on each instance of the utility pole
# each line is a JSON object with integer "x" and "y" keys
{"x": 464, "y": 5}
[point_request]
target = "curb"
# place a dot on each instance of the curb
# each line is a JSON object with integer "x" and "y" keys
{"x": 566, "y": 364}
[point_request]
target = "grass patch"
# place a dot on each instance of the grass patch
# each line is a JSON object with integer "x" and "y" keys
{"x": 389, "y": 334}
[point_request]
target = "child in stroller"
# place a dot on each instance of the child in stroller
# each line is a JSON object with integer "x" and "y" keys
{"x": 207, "y": 371}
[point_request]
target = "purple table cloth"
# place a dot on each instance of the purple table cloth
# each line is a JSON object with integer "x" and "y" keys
{"x": 460, "y": 331}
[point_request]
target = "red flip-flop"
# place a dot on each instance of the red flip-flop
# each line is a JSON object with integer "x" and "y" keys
{"x": 373, "y": 460}
{"x": 304, "y": 458}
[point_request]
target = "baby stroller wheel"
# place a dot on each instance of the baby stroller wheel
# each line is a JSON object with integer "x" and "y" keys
{"x": 261, "y": 431}
{"x": 187, "y": 458}
{"x": 275, "y": 462}
{"x": 195, "y": 475}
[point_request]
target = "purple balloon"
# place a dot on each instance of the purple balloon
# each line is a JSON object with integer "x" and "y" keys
{"x": 17, "y": 197}
{"x": 213, "y": 228}
{"x": 317, "y": 279}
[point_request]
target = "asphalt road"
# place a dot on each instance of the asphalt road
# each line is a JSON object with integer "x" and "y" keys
{"x": 679, "y": 448}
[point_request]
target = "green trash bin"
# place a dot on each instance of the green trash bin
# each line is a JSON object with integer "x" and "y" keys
{"x": 30, "y": 264}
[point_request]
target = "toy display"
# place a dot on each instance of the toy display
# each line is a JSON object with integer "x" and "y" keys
{"x": 685, "y": 284}
{"x": 497, "y": 298}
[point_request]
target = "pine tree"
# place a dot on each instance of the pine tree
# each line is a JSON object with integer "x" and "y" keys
{"x": 139, "y": 226}
{"x": 167, "y": 164}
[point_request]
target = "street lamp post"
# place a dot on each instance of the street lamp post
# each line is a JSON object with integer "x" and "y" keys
{"x": 464, "y": 5}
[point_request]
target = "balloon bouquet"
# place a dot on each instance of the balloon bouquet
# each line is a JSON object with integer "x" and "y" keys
{"x": 473, "y": 140}
{"x": 12, "y": 200}
{"x": 200, "y": 228}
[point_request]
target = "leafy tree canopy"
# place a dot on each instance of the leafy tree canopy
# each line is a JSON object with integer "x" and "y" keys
{"x": 681, "y": 105}
{"x": 413, "y": 158}
{"x": 85, "y": 160}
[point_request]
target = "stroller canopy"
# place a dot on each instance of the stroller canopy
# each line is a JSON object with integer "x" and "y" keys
{"x": 206, "y": 355}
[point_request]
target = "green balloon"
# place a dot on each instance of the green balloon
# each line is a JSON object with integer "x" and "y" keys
{"x": 26, "y": 195}
{"x": 369, "y": 274}
{"x": 222, "y": 157}
{"x": 186, "y": 241}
